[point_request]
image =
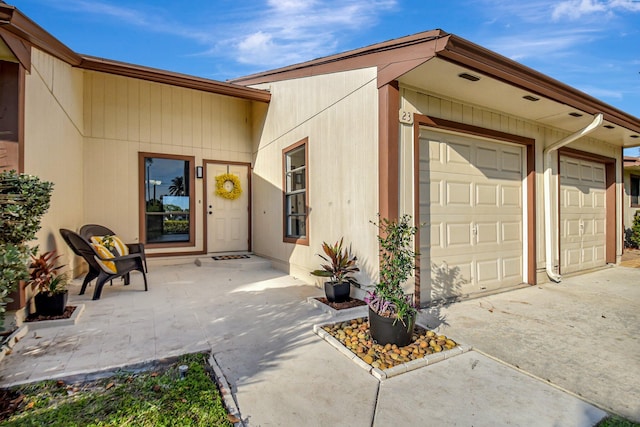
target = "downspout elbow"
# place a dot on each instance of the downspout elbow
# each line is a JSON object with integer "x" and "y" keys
{"x": 548, "y": 208}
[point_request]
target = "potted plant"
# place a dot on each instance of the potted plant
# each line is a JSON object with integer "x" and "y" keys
{"x": 340, "y": 268}
{"x": 392, "y": 314}
{"x": 23, "y": 200}
{"x": 51, "y": 299}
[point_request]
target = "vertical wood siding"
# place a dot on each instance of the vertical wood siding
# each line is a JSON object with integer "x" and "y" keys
{"x": 124, "y": 116}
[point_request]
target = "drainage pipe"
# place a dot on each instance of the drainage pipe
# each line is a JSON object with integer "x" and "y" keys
{"x": 551, "y": 214}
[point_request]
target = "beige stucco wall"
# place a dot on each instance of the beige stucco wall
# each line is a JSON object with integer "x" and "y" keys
{"x": 53, "y": 144}
{"x": 124, "y": 116}
{"x": 417, "y": 101}
{"x": 338, "y": 114}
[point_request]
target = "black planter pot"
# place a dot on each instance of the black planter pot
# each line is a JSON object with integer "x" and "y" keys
{"x": 53, "y": 305}
{"x": 337, "y": 292}
{"x": 383, "y": 331}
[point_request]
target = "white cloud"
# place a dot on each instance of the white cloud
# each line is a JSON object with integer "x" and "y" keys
{"x": 576, "y": 9}
{"x": 271, "y": 33}
{"x": 542, "y": 43}
{"x": 291, "y": 31}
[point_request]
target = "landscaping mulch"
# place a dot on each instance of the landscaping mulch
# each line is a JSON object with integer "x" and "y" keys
{"x": 354, "y": 334}
{"x": 35, "y": 317}
{"x": 9, "y": 403}
{"x": 350, "y": 303}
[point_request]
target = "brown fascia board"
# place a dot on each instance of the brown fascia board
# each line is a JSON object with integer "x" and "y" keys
{"x": 396, "y": 57}
{"x": 415, "y": 49}
{"x": 171, "y": 78}
{"x": 475, "y": 57}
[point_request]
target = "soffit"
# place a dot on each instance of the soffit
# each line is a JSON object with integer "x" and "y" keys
{"x": 5, "y": 53}
{"x": 441, "y": 77}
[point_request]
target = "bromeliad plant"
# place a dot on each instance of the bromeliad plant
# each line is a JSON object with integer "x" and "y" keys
{"x": 341, "y": 264}
{"x": 45, "y": 276}
{"x": 397, "y": 262}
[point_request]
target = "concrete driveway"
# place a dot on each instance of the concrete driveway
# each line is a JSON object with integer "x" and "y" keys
{"x": 579, "y": 336}
{"x": 582, "y": 335}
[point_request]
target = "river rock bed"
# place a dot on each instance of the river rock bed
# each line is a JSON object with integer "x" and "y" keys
{"x": 354, "y": 334}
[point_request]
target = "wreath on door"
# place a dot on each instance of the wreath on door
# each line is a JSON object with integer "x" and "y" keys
{"x": 231, "y": 192}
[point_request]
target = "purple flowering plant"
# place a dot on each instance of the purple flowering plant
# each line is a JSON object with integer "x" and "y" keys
{"x": 397, "y": 259}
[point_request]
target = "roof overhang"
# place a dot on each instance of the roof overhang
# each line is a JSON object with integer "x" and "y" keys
{"x": 18, "y": 33}
{"x": 432, "y": 62}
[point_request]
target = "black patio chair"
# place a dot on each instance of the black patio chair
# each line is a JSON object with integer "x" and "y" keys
{"x": 124, "y": 264}
{"x": 89, "y": 230}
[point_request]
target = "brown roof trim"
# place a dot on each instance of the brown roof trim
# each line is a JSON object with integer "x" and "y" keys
{"x": 478, "y": 58}
{"x": 17, "y": 24}
{"x": 404, "y": 49}
{"x": 20, "y": 49}
{"x": 175, "y": 79}
{"x": 396, "y": 57}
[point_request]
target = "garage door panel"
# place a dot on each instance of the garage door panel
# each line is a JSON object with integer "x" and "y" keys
{"x": 512, "y": 268}
{"x": 458, "y": 193}
{"x": 599, "y": 200}
{"x": 486, "y": 195}
{"x": 458, "y": 153}
{"x": 475, "y": 215}
{"x": 511, "y": 196}
{"x": 512, "y": 162}
{"x": 487, "y": 233}
{"x": 487, "y": 158}
{"x": 458, "y": 234}
{"x": 488, "y": 271}
{"x": 512, "y": 232}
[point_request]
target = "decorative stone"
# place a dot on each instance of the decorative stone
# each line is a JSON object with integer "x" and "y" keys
{"x": 354, "y": 335}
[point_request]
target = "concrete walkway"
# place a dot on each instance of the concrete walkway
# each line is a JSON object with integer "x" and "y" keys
{"x": 258, "y": 324}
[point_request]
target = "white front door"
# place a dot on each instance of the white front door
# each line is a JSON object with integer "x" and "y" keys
{"x": 583, "y": 214}
{"x": 227, "y": 220}
{"x": 471, "y": 205}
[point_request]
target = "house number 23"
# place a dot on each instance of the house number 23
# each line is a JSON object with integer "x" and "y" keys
{"x": 406, "y": 117}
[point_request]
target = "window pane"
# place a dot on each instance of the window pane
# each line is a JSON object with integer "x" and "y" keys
{"x": 296, "y": 180}
{"x": 295, "y": 159}
{"x": 296, "y": 226}
{"x": 167, "y": 200}
{"x": 635, "y": 189}
{"x": 296, "y": 204}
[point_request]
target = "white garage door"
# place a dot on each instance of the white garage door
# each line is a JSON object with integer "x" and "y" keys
{"x": 582, "y": 214}
{"x": 471, "y": 208}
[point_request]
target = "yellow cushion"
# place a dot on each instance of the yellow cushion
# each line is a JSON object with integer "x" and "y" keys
{"x": 118, "y": 244}
{"x": 107, "y": 266}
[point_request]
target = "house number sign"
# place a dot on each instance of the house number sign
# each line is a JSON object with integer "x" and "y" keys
{"x": 406, "y": 117}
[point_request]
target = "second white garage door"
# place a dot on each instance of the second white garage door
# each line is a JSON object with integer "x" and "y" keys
{"x": 582, "y": 215}
{"x": 471, "y": 208}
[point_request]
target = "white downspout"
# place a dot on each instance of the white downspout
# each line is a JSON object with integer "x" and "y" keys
{"x": 550, "y": 211}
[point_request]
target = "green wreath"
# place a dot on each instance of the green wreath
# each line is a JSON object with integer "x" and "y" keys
{"x": 235, "y": 191}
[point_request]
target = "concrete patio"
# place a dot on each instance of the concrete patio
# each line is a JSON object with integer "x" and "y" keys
{"x": 545, "y": 355}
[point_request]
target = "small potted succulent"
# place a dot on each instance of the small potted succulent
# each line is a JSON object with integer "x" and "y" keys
{"x": 392, "y": 314}
{"x": 340, "y": 267}
{"x": 45, "y": 278}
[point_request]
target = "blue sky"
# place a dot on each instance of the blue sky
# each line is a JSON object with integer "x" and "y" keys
{"x": 593, "y": 45}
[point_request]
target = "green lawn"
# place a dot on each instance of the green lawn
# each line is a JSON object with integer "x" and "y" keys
{"x": 158, "y": 398}
{"x": 614, "y": 421}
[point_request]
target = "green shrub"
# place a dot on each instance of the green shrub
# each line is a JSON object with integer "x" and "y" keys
{"x": 176, "y": 226}
{"x": 23, "y": 201}
{"x": 635, "y": 230}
